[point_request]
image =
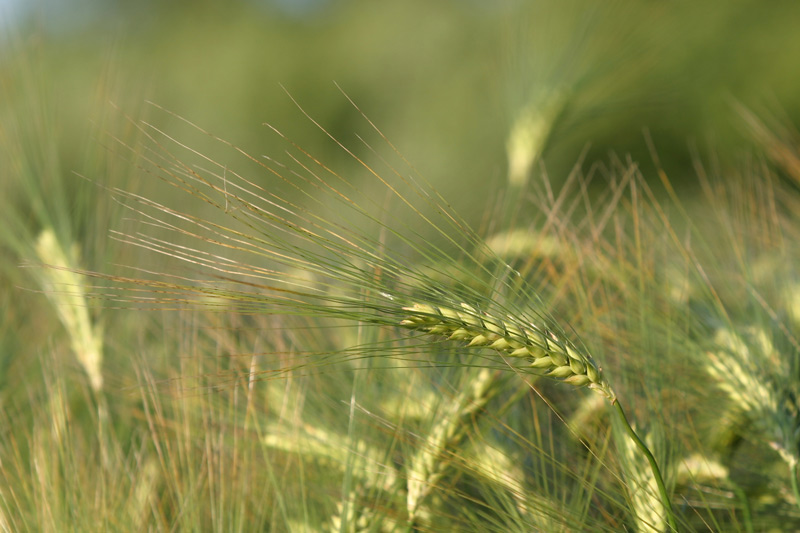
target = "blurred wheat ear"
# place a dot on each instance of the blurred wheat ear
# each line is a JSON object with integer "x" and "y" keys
{"x": 67, "y": 292}
{"x": 757, "y": 379}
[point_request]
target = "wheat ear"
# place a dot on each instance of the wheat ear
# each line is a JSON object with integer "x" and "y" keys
{"x": 545, "y": 352}
{"x": 752, "y": 374}
{"x": 429, "y": 465}
{"x": 66, "y": 290}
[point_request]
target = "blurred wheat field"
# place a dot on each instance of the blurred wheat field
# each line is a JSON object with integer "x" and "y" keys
{"x": 340, "y": 306}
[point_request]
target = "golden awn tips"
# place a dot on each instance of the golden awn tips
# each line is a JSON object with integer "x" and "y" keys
{"x": 548, "y": 354}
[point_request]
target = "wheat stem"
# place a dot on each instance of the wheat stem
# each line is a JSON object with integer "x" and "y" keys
{"x": 748, "y": 520}
{"x": 662, "y": 488}
{"x": 795, "y": 490}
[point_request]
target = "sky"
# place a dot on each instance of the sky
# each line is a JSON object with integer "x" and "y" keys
{"x": 10, "y": 11}
{"x": 13, "y": 11}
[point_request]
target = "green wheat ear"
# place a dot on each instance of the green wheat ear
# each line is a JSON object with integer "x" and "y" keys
{"x": 750, "y": 370}
{"x": 544, "y": 352}
{"x": 66, "y": 290}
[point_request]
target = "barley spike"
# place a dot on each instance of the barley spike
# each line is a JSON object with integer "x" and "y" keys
{"x": 547, "y": 353}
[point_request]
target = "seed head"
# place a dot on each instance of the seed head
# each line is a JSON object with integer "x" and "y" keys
{"x": 545, "y": 352}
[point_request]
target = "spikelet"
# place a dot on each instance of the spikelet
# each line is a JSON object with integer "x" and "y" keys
{"x": 545, "y": 352}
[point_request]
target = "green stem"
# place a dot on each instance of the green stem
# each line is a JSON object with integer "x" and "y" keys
{"x": 662, "y": 489}
{"x": 793, "y": 475}
{"x": 748, "y": 521}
